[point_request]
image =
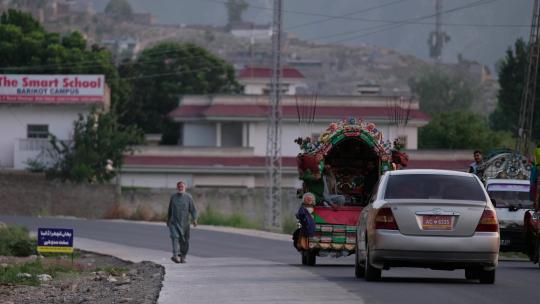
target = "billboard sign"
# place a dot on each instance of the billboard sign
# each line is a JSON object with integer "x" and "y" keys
{"x": 55, "y": 240}
{"x": 52, "y": 88}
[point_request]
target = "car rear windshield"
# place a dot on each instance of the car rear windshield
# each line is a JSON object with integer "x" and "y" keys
{"x": 438, "y": 186}
{"x": 506, "y": 195}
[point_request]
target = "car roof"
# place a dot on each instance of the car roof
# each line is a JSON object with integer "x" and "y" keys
{"x": 429, "y": 171}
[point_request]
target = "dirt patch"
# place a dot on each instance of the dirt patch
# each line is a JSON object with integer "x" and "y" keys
{"x": 96, "y": 279}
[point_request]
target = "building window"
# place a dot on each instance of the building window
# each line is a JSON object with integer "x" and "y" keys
{"x": 199, "y": 134}
{"x": 231, "y": 134}
{"x": 37, "y": 131}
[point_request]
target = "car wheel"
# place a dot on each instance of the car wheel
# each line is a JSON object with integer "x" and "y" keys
{"x": 472, "y": 273}
{"x": 371, "y": 273}
{"x": 358, "y": 268}
{"x": 487, "y": 276}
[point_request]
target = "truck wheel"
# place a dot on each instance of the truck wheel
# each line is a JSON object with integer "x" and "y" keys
{"x": 311, "y": 258}
{"x": 304, "y": 258}
{"x": 472, "y": 273}
{"x": 358, "y": 268}
{"x": 371, "y": 273}
{"x": 487, "y": 276}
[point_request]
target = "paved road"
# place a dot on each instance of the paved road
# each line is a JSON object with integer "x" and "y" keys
{"x": 517, "y": 282}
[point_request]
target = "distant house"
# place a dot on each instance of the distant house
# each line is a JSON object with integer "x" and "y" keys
{"x": 251, "y": 31}
{"x": 122, "y": 47}
{"x": 34, "y": 106}
{"x": 257, "y": 80}
{"x": 223, "y": 137}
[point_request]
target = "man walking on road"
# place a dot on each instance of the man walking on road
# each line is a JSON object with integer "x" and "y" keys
{"x": 181, "y": 207}
{"x": 476, "y": 166}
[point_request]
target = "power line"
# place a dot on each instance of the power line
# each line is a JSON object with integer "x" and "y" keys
{"x": 383, "y": 28}
{"x": 346, "y": 17}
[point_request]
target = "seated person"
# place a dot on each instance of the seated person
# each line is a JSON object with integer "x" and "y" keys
{"x": 330, "y": 196}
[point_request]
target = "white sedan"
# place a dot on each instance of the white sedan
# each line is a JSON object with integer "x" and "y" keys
{"x": 434, "y": 219}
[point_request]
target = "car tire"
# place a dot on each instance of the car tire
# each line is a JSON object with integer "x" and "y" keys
{"x": 304, "y": 258}
{"x": 370, "y": 273}
{"x": 358, "y": 268}
{"x": 472, "y": 273}
{"x": 486, "y": 276}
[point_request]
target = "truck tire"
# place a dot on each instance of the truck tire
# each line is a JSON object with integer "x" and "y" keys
{"x": 309, "y": 258}
{"x": 472, "y": 273}
{"x": 358, "y": 268}
{"x": 371, "y": 273}
{"x": 486, "y": 276}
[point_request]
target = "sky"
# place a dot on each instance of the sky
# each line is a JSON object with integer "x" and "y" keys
{"x": 480, "y": 30}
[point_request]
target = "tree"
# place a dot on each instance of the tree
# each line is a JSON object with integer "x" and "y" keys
{"x": 461, "y": 129}
{"x": 120, "y": 10}
{"x": 167, "y": 70}
{"x": 97, "y": 140}
{"x": 26, "y": 48}
{"x": 235, "y": 9}
{"x": 512, "y": 70}
{"x": 439, "y": 92}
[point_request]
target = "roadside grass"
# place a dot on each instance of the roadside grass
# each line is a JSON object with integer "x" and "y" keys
{"x": 237, "y": 220}
{"x": 12, "y": 274}
{"x": 289, "y": 225}
{"x": 514, "y": 255}
{"x": 15, "y": 241}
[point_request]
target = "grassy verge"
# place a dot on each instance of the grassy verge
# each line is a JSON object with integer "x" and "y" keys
{"x": 211, "y": 217}
{"x": 13, "y": 274}
{"x": 15, "y": 241}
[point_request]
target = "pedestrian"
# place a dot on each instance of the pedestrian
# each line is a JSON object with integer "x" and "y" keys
{"x": 181, "y": 208}
{"x": 476, "y": 166}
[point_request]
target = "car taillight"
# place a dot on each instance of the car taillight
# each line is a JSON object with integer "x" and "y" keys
{"x": 385, "y": 219}
{"x": 488, "y": 222}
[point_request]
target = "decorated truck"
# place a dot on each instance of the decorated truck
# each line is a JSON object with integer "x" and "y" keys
{"x": 340, "y": 169}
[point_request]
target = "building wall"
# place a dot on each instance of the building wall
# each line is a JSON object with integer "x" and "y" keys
{"x": 13, "y": 126}
{"x": 23, "y": 193}
{"x": 153, "y": 179}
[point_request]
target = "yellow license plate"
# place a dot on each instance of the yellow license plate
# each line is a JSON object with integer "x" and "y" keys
{"x": 437, "y": 222}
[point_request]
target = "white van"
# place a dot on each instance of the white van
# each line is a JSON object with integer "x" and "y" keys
{"x": 512, "y": 201}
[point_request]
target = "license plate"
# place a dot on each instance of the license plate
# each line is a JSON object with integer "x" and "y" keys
{"x": 505, "y": 242}
{"x": 437, "y": 222}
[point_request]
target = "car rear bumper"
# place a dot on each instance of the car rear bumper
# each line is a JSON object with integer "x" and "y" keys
{"x": 392, "y": 249}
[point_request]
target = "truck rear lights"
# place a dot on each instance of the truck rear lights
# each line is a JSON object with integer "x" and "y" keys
{"x": 385, "y": 219}
{"x": 488, "y": 222}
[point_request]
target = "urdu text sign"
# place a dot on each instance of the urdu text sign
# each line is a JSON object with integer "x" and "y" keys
{"x": 55, "y": 240}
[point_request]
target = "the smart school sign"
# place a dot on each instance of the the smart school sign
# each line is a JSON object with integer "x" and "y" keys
{"x": 47, "y": 88}
{"x": 55, "y": 240}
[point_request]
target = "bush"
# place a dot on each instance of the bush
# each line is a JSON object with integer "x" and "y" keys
{"x": 15, "y": 241}
{"x": 211, "y": 217}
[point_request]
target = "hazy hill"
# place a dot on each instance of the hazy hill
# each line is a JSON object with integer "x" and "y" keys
{"x": 480, "y": 33}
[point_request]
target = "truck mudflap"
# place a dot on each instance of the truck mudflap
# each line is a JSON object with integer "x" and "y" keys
{"x": 335, "y": 229}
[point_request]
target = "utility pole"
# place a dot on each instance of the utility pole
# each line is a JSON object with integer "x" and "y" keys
{"x": 273, "y": 144}
{"x": 526, "y": 112}
{"x": 438, "y": 38}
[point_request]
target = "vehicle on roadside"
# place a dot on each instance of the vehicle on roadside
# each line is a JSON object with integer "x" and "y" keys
{"x": 341, "y": 169}
{"x": 436, "y": 219}
{"x": 512, "y": 201}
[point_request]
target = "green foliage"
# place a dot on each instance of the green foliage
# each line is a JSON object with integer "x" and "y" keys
{"x": 8, "y": 275}
{"x": 440, "y": 92}
{"x": 97, "y": 138}
{"x": 165, "y": 71}
{"x": 15, "y": 241}
{"x": 212, "y": 217}
{"x": 26, "y": 48}
{"x": 289, "y": 225}
{"x": 461, "y": 129}
{"x": 235, "y": 9}
{"x": 512, "y": 70}
{"x": 119, "y": 10}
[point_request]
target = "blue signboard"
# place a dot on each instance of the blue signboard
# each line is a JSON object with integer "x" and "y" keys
{"x": 55, "y": 240}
